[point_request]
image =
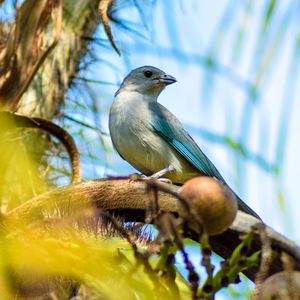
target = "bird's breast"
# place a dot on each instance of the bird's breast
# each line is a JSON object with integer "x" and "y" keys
{"x": 132, "y": 136}
{"x": 135, "y": 140}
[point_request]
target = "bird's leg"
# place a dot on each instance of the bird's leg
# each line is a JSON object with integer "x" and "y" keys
{"x": 156, "y": 175}
{"x": 162, "y": 172}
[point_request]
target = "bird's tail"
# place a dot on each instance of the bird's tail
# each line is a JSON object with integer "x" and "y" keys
{"x": 245, "y": 208}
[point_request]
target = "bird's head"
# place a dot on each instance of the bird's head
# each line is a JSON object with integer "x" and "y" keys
{"x": 146, "y": 80}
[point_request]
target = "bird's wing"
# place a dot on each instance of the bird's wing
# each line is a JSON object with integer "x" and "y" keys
{"x": 170, "y": 129}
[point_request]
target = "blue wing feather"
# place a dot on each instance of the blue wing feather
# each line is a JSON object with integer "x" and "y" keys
{"x": 167, "y": 126}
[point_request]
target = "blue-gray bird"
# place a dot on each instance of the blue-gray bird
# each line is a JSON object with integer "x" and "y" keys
{"x": 151, "y": 138}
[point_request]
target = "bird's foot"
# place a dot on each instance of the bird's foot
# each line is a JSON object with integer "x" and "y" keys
{"x": 158, "y": 175}
{"x": 136, "y": 177}
{"x": 160, "y": 179}
{"x": 165, "y": 180}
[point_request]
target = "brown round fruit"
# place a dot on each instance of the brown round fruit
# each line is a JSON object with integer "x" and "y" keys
{"x": 213, "y": 202}
{"x": 282, "y": 285}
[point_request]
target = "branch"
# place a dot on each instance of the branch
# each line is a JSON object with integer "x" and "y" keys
{"x": 11, "y": 120}
{"x": 129, "y": 199}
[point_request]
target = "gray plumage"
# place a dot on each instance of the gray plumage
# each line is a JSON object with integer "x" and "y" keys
{"x": 150, "y": 137}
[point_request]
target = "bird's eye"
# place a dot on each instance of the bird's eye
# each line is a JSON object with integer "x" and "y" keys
{"x": 148, "y": 74}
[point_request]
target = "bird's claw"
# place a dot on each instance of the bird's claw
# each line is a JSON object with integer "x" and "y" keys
{"x": 136, "y": 177}
{"x": 165, "y": 180}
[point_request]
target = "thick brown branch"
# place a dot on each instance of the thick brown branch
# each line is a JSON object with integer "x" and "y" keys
{"x": 129, "y": 199}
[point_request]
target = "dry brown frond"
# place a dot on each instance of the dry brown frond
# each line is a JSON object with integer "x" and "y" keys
{"x": 104, "y": 6}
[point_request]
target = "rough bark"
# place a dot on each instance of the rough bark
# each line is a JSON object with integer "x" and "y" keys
{"x": 42, "y": 60}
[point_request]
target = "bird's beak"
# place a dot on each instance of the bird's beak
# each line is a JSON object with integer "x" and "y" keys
{"x": 165, "y": 79}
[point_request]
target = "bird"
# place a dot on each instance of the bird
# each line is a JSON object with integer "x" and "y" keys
{"x": 151, "y": 138}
